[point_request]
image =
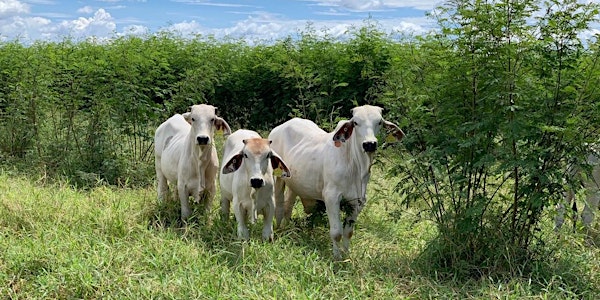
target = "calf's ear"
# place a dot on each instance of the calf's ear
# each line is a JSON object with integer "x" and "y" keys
{"x": 395, "y": 133}
{"x": 220, "y": 124}
{"x": 343, "y": 134}
{"x": 233, "y": 164}
{"x": 279, "y": 167}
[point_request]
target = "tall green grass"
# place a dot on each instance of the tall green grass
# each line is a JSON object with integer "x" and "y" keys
{"x": 58, "y": 242}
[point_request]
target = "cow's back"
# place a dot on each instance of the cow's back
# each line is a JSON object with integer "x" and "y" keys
{"x": 293, "y": 133}
{"x": 303, "y": 146}
{"x": 174, "y": 126}
{"x": 168, "y": 144}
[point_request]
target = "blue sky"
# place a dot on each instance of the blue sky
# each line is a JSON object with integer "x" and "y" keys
{"x": 253, "y": 20}
{"x": 31, "y": 20}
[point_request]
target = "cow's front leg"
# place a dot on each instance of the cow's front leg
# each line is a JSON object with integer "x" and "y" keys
{"x": 290, "y": 201}
{"x": 241, "y": 216}
{"x": 184, "y": 199}
{"x": 351, "y": 209}
{"x": 207, "y": 197}
{"x": 332, "y": 206}
{"x": 278, "y": 193}
{"x": 225, "y": 204}
{"x": 268, "y": 214}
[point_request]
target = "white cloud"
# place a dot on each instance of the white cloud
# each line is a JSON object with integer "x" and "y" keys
{"x": 373, "y": 5}
{"x": 10, "y": 8}
{"x": 23, "y": 28}
{"x": 413, "y": 27}
{"x": 332, "y": 12}
{"x": 416, "y": 4}
{"x": 265, "y": 27}
{"x": 186, "y": 28}
{"x": 260, "y": 28}
{"x": 45, "y": 2}
{"x": 362, "y": 5}
{"x": 135, "y": 30}
{"x": 209, "y": 3}
{"x": 85, "y": 10}
{"x": 100, "y": 25}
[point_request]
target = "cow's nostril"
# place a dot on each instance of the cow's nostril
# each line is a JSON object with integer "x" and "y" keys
{"x": 202, "y": 140}
{"x": 370, "y": 146}
{"x": 256, "y": 182}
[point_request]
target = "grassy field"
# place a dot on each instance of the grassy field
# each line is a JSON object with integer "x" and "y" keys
{"x": 58, "y": 242}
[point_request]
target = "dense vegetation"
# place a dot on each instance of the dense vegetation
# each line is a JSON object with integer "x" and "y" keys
{"x": 493, "y": 105}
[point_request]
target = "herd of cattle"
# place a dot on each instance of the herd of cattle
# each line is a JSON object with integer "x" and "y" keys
{"x": 265, "y": 176}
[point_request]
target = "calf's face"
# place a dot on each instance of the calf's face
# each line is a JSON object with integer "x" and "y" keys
{"x": 254, "y": 160}
{"x": 204, "y": 122}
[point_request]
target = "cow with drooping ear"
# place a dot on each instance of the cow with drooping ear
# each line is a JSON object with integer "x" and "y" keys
{"x": 332, "y": 167}
{"x": 368, "y": 122}
{"x": 185, "y": 155}
{"x": 247, "y": 180}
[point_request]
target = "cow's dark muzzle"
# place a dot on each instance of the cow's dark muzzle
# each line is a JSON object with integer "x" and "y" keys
{"x": 202, "y": 140}
{"x": 256, "y": 182}
{"x": 370, "y": 146}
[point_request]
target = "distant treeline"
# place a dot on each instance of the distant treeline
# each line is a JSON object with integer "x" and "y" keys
{"x": 89, "y": 108}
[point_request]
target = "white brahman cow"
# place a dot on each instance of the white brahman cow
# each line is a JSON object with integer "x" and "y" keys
{"x": 247, "y": 179}
{"x": 185, "y": 155}
{"x": 591, "y": 183}
{"x": 333, "y": 167}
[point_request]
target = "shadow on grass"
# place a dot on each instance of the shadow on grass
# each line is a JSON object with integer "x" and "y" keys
{"x": 307, "y": 233}
{"x": 545, "y": 269}
{"x": 13, "y": 219}
{"x": 556, "y": 265}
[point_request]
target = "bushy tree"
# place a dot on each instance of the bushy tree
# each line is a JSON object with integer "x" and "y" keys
{"x": 499, "y": 115}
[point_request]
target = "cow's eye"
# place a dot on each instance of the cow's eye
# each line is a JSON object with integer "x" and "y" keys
{"x": 354, "y": 123}
{"x": 380, "y": 122}
{"x": 212, "y": 120}
{"x": 193, "y": 119}
{"x": 245, "y": 155}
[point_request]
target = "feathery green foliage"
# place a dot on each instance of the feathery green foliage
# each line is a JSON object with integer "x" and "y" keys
{"x": 494, "y": 122}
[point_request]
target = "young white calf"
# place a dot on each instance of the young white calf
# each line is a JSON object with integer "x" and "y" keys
{"x": 247, "y": 180}
{"x": 185, "y": 155}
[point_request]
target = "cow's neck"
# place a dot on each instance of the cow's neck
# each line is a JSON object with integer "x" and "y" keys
{"x": 361, "y": 166}
{"x": 196, "y": 153}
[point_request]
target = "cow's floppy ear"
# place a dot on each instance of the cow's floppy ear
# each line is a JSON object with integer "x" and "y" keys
{"x": 220, "y": 124}
{"x": 233, "y": 164}
{"x": 344, "y": 133}
{"x": 395, "y": 131}
{"x": 277, "y": 163}
{"x": 187, "y": 117}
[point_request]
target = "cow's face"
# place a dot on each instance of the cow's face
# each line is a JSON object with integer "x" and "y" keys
{"x": 365, "y": 124}
{"x": 204, "y": 122}
{"x": 254, "y": 159}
